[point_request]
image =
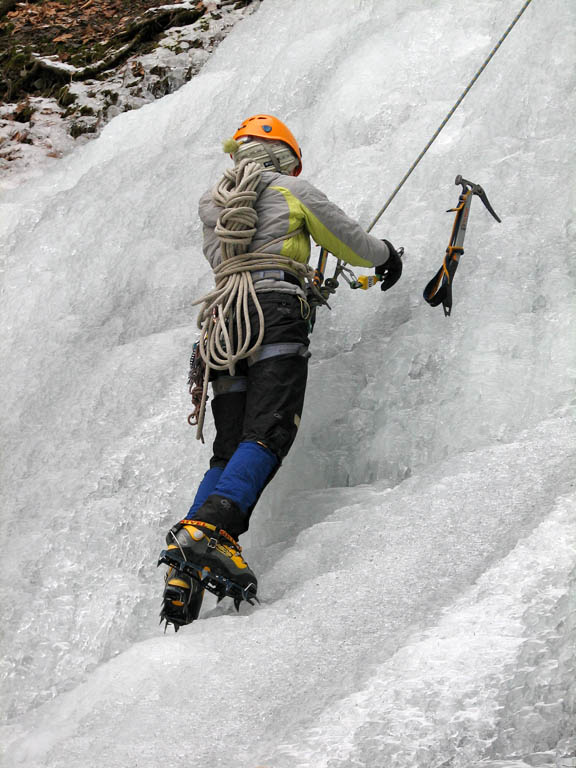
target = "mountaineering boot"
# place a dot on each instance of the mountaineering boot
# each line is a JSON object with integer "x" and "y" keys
{"x": 212, "y": 557}
{"x": 182, "y": 599}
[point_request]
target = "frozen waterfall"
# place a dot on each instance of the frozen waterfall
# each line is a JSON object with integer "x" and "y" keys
{"x": 417, "y": 552}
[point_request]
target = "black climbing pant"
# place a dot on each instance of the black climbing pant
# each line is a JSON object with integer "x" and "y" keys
{"x": 263, "y": 401}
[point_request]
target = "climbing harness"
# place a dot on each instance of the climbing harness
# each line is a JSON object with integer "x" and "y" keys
{"x": 439, "y": 289}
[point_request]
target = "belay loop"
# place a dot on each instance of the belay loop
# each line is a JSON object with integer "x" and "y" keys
{"x": 439, "y": 289}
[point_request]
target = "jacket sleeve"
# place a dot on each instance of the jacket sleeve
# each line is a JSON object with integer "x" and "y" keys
{"x": 208, "y": 213}
{"x": 334, "y": 230}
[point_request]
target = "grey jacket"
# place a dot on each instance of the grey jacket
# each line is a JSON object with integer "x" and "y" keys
{"x": 285, "y": 204}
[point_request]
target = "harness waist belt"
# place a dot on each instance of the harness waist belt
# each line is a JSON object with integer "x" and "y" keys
{"x": 275, "y": 274}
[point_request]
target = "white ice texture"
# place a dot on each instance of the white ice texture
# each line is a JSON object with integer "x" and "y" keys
{"x": 417, "y": 552}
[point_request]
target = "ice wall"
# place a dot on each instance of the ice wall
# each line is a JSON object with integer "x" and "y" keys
{"x": 435, "y": 462}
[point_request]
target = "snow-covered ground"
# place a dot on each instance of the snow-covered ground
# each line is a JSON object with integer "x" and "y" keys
{"x": 417, "y": 552}
{"x": 54, "y": 130}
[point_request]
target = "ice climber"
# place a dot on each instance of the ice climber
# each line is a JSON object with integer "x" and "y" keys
{"x": 258, "y": 222}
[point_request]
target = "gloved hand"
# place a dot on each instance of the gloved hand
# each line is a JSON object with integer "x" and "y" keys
{"x": 391, "y": 270}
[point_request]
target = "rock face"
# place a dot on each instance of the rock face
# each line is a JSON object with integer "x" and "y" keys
{"x": 69, "y": 68}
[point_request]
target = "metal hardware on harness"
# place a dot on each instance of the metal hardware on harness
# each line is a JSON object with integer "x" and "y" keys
{"x": 348, "y": 275}
{"x": 322, "y": 288}
{"x": 439, "y": 289}
{"x": 195, "y": 381}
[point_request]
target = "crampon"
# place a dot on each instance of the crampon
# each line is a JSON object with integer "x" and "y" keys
{"x": 203, "y": 578}
{"x": 181, "y": 601}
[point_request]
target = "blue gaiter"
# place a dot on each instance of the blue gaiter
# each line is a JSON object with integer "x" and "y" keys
{"x": 206, "y": 487}
{"x": 246, "y": 474}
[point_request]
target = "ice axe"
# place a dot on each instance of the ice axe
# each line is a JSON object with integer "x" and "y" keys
{"x": 439, "y": 289}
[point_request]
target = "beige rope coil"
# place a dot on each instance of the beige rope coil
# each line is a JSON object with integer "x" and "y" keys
{"x": 224, "y": 319}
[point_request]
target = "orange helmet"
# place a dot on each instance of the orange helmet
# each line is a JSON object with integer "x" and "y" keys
{"x": 269, "y": 127}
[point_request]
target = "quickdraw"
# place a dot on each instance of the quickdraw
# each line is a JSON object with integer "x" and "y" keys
{"x": 439, "y": 289}
{"x": 322, "y": 287}
{"x": 196, "y": 382}
{"x": 328, "y": 286}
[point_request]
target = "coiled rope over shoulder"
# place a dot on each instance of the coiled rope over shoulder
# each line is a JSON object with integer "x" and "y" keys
{"x": 224, "y": 318}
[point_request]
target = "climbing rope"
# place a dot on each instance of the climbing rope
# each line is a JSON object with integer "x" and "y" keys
{"x": 229, "y": 302}
{"x": 450, "y": 113}
{"x": 224, "y": 318}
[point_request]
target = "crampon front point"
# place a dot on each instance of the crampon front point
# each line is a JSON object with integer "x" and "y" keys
{"x": 181, "y": 601}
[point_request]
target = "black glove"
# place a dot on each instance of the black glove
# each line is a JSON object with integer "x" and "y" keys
{"x": 391, "y": 270}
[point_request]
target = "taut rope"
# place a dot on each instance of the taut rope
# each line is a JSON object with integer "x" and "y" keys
{"x": 449, "y": 115}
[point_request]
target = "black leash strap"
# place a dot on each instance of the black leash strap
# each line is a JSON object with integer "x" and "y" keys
{"x": 439, "y": 289}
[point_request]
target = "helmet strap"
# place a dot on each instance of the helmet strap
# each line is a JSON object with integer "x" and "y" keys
{"x": 272, "y": 156}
